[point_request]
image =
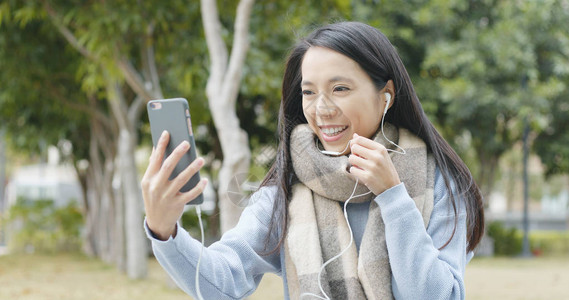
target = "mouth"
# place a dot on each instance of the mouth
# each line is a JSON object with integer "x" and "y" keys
{"x": 331, "y": 133}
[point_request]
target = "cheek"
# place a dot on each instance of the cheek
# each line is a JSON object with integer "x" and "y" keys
{"x": 364, "y": 118}
{"x": 351, "y": 112}
{"x": 308, "y": 111}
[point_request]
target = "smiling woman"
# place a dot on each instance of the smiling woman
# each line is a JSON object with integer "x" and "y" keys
{"x": 368, "y": 221}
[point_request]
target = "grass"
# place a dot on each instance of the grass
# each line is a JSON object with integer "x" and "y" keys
{"x": 518, "y": 278}
{"x": 74, "y": 276}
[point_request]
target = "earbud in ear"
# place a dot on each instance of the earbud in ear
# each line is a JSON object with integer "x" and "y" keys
{"x": 387, "y": 101}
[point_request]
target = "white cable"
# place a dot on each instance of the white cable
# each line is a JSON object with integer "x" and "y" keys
{"x": 199, "y": 213}
{"x": 392, "y": 143}
{"x": 332, "y": 153}
{"x": 342, "y": 252}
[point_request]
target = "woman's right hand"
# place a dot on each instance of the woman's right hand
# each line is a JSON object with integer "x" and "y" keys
{"x": 163, "y": 202}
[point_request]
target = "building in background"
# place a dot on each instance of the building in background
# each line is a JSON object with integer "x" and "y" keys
{"x": 44, "y": 181}
{"x": 51, "y": 180}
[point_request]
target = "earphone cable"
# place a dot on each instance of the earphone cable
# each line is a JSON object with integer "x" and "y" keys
{"x": 342, "y": 252}
{"x": 390, "y": 141}
{"x": 198, "y": 291}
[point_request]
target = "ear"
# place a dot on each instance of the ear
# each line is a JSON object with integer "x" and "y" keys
{"x": 388, "y": 89}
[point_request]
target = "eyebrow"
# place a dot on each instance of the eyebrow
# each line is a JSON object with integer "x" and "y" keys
{"x": 332, "y": 80}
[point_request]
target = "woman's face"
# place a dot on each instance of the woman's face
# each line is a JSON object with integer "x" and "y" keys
{"x": 338, "y": 98}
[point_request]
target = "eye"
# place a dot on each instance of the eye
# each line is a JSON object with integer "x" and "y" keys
{"x": 307, "y": 93}
{"x": 341, "y": 88}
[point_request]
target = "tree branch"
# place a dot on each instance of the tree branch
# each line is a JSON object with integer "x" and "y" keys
{"x": 233, "y": 75}
{"x": 94, "y": 113}
{"x": 100, "y": 139}
{"x": 135, "y": 109}
{"x": 117, "y": 104}
{"x": 215, "y": 44}
{"x": 150, "y": 61}
{"x": 66, "y": 32}
{"x": 108, "y": 123}
{"x": 134, "y": 79}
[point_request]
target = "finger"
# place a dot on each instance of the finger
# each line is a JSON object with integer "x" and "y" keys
{"x": 158, "y": 153}
{"x": 171, "y": 161}
{"x": 148, "y": 168}
{"x": 359, "y": 162}
{"x": 365, "y": 142}
{"x": 193, "y": 193}
{"x": 185, "y": 175}
{"x": 360, "y": 174}
{"x": 364, "y": 152}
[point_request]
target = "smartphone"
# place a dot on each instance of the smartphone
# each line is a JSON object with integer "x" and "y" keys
{"x": 173, "y": 115}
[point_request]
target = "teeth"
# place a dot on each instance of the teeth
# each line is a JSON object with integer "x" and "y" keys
{"x": 333, "y": 131}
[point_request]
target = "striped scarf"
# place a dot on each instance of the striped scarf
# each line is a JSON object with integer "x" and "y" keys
{"x": 317, "y": 229}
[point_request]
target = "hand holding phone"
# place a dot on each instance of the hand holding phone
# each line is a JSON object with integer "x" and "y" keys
{"x": 173, "y": 116}
{"x": 165, "y": 190}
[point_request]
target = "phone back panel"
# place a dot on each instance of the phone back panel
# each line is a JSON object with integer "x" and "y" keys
{"x": 173, "y": 115}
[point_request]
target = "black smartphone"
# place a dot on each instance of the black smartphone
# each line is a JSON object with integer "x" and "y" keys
{"x": 173, "y": 115}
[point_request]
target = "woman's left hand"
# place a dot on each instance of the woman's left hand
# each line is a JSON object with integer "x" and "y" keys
{"x": 372, "y": 165}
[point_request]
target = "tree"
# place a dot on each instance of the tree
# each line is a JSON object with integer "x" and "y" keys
{"x": 483, "y": 56}
{"x": 44, "y": 104}
{"x": 222, "y": 90}
{"x": 107, "y": 70}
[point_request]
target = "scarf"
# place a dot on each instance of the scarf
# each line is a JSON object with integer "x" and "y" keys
{"x": 317, "y": 229}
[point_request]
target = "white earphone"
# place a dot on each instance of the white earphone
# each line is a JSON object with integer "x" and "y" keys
{"x": 387, "y": 100}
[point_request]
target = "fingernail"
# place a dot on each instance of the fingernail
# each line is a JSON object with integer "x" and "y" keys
{"x": 204, "y": 182}
{"x": 200, "y": 162}
{"x": 163, "y": 133}
{"x": 185, "y": 145}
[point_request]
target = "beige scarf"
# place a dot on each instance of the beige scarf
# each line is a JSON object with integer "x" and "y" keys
{"x": 317, "y": 229}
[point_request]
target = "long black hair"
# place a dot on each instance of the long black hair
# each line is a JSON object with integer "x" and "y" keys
{"x": 378, "y": 58}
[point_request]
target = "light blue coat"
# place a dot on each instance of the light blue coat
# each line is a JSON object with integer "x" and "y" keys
{"x": 232, "y": 267}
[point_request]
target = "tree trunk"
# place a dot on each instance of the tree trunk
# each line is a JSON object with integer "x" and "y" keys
{"x": 89, "y": 237}
{"x": 131, "y": 195}
{"x": 116, "y": 219}
{"x": 487, "y": 174}
{"x": 135, "y": 240}
{"x": 222, "y": 90}
{"x": 3, "y": 204}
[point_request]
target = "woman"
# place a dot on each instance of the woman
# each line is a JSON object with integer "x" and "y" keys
{"x": 353, "y": 136}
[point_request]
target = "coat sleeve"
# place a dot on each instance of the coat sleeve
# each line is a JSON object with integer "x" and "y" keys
{"x": 230, "y": 268}
{"x": 420, "y": 269}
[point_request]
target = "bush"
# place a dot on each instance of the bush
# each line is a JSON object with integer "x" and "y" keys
{"x": 40, "y": 226}
{"x": 549, "y": 242}
{"x": 507, "y": 242}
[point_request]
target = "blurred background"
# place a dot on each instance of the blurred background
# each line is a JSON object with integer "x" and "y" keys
{"x": 75, "y": 77}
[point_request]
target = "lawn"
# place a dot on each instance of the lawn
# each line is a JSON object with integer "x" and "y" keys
{"x": 518, "y": 278}
{"x": 73, "y": 276}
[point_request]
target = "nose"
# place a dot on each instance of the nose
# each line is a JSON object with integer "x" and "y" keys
{"x": 326, "y": 108}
